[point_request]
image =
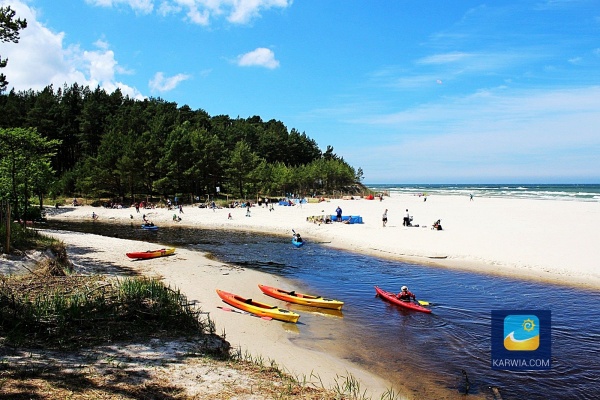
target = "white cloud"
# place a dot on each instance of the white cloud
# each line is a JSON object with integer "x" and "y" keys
{"x": 261, "y": 57}
{"x": 201, "y": 12}
{"x": 142, "y": 6}
{"x": 444, "y": 58}
{"x": 162, "y": 84}
{"x": 41, "y": 59}
{"x": 575, "y": 60}
{"x": 244, "y": 11}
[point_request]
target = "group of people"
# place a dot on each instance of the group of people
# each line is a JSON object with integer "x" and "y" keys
{"x": 407, "y": 220}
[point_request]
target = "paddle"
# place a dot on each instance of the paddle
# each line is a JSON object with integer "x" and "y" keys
{"x": 423, "y": 303}
{"x": 243, "y": 312}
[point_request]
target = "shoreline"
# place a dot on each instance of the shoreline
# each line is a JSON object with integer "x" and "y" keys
{"x": 197, "y": 277}
{"x": 516, "y": 238}
{"x": 465, "y": 244}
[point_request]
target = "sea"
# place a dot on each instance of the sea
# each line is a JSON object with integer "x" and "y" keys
{"x": 575, "y": 192}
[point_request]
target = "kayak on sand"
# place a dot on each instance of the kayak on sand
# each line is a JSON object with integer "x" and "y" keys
{"x": 151, "y": 253}
{"x": 391, "y": 297}
{"x": 258, "y": 308}
{"x": 301, "y": 298}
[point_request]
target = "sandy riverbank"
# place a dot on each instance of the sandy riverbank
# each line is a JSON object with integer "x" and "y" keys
{"x": 546, "y": 240}
{"x": 549, "y": 241}
{"x": 198, "y": 277}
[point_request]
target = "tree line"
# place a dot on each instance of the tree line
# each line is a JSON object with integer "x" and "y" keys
{"x": 75, "y": 140}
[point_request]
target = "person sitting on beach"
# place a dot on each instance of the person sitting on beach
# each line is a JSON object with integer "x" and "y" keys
{"x": 405, "y": 295}
{"x": 437, "y": 225}
{"x": 348, "y": 221}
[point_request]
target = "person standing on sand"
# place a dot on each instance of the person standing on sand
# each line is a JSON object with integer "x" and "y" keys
{"x": 406, "y": 219}
{"x": 384, "y": 218}
{"x": 338, "y": 213}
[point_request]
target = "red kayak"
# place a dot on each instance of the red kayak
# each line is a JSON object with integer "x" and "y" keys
{"x": 391, "y": 297}
{"x": 151, "y": 253}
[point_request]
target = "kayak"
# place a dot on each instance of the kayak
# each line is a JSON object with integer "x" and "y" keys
{"x": 301, "y": 298}
{"x": 151, "y": 253}
{"x": 391, "y": 297}
{"x": 150, "y": 227}
{"x": 297, "y": 243}
{"x": 257, "y": 308}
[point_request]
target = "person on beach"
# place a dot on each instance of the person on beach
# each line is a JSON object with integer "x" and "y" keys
{"x": 405, "y": 294}
{"x": 94, "y": 216}
{"x": 471, "y": 197}
{"x": 406, "y": 221}
{"x": 437, "y": 225}
{"x": 338, "y": 214}
{"x": 384, "y": 218}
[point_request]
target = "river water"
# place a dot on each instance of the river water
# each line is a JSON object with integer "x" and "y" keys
{"x": 440, "y": 355}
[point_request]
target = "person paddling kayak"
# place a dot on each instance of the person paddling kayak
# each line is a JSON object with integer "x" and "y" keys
{"x": 405, "y": 294}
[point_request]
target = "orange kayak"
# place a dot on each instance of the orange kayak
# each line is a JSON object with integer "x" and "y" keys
{"x": 301, "y": 298}
{"x": 151, "y": 253}
{"x": 257, "y": 308}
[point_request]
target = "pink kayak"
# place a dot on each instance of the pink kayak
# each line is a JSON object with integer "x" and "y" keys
{"x": 391, "y": 297}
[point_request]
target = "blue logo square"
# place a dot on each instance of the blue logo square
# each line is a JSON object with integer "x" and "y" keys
{"x": 521, "y": 339}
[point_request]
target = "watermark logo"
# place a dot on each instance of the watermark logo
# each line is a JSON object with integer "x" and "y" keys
{"x": 521, "y": 339}
{"x": 521, "y": 332}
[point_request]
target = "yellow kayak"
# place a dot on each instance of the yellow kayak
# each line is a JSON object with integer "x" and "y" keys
{"x": 301, "y": 298}
{"x": 257, "y": 308}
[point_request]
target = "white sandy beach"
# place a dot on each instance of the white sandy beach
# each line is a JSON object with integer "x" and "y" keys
{"x": 545, "y": 240}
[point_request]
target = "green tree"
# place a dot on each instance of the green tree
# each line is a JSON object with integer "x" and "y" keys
{"x": 9, "y": 32}
{"x": 242, "y": 163}
{"x": 24, "y": 167}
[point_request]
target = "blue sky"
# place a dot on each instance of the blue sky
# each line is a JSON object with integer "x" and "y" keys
{"x": 410, "y": 91}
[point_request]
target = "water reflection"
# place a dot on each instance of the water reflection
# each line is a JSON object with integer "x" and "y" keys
{"x": 441, "y": 349}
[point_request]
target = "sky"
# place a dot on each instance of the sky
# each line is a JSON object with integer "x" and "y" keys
{"x": 409, "y": 91}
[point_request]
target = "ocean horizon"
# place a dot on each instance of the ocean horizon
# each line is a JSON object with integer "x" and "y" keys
{"x": 574, "y": 192}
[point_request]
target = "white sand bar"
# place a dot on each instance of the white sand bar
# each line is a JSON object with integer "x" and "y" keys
{"x": 546, "y": 240}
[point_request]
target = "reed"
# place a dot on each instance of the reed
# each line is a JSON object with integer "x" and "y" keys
{"x": 66, "y": 310}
